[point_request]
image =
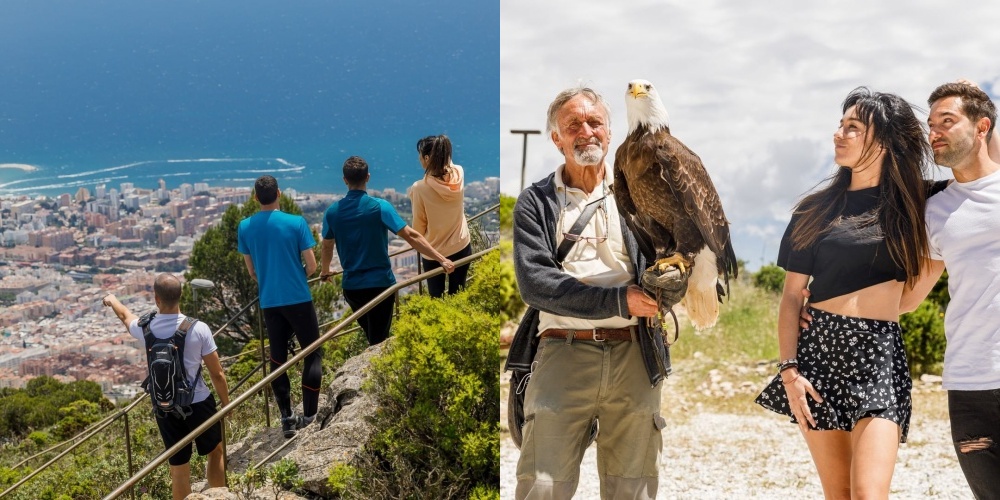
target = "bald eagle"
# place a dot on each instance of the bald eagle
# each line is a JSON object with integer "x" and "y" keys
{"x": 670, "y": 204}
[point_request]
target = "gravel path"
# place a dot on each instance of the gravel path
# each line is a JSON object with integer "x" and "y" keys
{"x": 761, "y": 455}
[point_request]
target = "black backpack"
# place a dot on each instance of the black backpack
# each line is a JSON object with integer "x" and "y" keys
{"x": 167, "y": 382}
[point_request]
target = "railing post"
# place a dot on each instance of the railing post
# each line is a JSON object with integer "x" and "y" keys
{"x": 263, "y": 359}
{"x": 420, "y": 270}
{"x": 128, "y": 452}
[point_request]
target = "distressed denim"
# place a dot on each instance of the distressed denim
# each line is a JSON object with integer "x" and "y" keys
{"x": 975, "y": 430}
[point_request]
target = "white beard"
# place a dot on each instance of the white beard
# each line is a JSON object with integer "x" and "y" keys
{"x": 589, "y": 156}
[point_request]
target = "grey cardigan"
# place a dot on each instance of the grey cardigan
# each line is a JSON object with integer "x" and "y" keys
{"x": 544, "y": 286}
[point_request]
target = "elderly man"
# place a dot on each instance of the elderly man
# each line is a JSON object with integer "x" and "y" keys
{"x": 598, "y": 358}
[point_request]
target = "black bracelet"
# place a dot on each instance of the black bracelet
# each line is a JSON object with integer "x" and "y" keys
{"x": 788, "y": 363}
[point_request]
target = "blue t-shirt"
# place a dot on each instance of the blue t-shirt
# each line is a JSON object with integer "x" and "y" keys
{"x": 274, "y": 241}
{"x": 358, "y": 223}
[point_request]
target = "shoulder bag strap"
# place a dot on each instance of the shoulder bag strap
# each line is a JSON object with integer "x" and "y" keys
{"x": 585, "y": 216}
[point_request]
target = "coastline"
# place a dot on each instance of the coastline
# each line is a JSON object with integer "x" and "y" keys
{"x": 24, "y": 167}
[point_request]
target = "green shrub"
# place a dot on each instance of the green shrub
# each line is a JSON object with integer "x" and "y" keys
{"x": 436, "y": 430}
{"x": 770, "y": 278}
{"x": 284, "y": 475}
{"x": 923, "y": 337}
{"x": 484, "y": 493}
{"x": 342, "y": 478}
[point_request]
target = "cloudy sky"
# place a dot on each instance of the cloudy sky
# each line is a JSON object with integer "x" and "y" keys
{"x": 753, "y": 87}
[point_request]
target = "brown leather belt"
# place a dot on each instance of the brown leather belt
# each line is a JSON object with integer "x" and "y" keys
{"x": 596, "y": 334}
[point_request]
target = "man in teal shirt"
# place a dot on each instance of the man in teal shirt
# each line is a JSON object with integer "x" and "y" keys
{"x": 274, "y": 246}
{"x": 358, "y": 224}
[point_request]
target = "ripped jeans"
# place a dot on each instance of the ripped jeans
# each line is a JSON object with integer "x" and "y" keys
{"x": 975, "y": 430}
{"x": 572, "y": 384}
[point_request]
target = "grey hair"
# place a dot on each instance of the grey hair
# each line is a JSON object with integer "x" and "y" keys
{"x": 563, "y": 97}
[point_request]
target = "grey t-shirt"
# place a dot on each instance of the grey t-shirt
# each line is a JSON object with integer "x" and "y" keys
{"x": 199, "y": 343}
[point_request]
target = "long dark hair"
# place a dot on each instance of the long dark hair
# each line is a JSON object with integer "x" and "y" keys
{"x": 438, "y": 149}
{"x": 903, "y": 193}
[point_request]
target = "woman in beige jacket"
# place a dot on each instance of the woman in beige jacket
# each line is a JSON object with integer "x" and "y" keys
{"x": 439, "y": 212}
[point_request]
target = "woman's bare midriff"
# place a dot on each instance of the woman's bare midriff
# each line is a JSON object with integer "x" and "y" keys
{"x": 879, "y": 301}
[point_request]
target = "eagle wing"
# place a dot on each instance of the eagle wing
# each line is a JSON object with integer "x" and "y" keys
{"x": 623, "y": 199}
{"x": 684, "y": 173}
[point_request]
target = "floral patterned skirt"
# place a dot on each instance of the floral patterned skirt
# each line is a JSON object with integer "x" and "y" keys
{"x": 857, "y": 365}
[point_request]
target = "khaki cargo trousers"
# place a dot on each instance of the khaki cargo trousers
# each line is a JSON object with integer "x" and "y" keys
{"x": 572, "y": 383}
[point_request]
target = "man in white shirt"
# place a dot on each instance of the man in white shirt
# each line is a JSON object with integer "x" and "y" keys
{"x": 963, "y": 224}
{"x": 199, "y": 347}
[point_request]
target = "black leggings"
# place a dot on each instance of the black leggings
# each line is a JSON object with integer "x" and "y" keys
{"x": 456, "y": 280}
{"x": 375, "y": 323}
{"x": 281, "y": 322}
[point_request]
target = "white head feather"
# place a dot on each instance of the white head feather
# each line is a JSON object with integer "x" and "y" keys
{"x": 644, "y": 107}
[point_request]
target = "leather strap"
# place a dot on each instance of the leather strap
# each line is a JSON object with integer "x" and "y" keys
{"x": 596, "y": 334}
{"x": 585, "y": 216}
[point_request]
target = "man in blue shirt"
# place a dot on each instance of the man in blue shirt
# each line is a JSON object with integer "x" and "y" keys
{"x": 358, "y": 224}
{"x": 274, "y": 246}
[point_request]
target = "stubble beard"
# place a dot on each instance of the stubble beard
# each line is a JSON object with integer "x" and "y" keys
{"x": 955, "y": 152}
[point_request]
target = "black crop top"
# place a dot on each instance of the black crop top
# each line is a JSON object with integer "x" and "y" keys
{"x": 847, "y": 257}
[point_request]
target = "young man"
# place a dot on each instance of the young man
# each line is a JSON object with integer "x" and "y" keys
{"x": 589, "y": 322}
{"x": 199, "y": 347}
{"x": 963, "y": 222}
{"x": 274, "y": 246}
{"x": 357, "y": 224}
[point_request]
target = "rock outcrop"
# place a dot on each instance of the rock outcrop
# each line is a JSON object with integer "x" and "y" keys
{"x": 335, "y": 437}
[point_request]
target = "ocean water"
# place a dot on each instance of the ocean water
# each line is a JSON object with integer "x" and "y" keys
{"x": 104, "y": 92}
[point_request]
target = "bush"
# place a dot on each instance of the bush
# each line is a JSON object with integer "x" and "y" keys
{"x": 284, "y": 475}
{"x": 923, "y": 337}
{"x": 770, "y": 278}
{"x": 342, "y": 478}
{"x": 436, "y": 430}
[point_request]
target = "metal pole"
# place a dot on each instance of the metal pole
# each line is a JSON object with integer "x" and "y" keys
{"x": 128, "y": 452}
{"x": 524, "y": 150}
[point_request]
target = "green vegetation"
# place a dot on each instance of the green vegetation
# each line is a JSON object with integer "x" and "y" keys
{"x": 436, "y": 432}
{"x": 511, "y": 305}
{"x": 770, "y": 278}
{"x": 44, "y": 402}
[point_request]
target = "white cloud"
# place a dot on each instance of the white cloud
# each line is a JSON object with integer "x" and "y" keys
{"x": 753, "y": 87}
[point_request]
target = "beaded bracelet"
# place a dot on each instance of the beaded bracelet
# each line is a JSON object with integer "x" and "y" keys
{"x": 788, "y": 363}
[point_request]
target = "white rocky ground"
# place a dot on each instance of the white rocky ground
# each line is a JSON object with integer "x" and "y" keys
{"x": 756, "y": 454}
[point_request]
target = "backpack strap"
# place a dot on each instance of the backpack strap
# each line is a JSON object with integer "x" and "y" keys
{"x": 180, "y": 336}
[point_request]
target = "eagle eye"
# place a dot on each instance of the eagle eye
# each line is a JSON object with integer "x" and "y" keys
{"x": 648, "y": 86}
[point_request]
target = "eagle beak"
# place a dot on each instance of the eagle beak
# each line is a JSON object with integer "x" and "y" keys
{"x": 636, "y": 91}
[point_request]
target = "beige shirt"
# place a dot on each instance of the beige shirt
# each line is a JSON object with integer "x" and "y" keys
{"x": 599, "y": 264}
{"x": 439, "y": 213}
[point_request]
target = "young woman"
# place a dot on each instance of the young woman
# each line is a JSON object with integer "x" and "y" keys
{"x": 844, "y": 379}
{"x": 439, "y": 211}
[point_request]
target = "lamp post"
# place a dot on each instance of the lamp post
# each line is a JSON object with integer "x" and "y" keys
{"x": 524, "y": 149}
{"x": 199, "y": 284}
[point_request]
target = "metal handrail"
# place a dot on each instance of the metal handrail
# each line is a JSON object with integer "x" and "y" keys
{"x": 102, "y": 424}
{"x": 265, "y": 382}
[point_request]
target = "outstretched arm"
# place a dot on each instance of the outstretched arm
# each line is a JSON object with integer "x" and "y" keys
{"x": 124, "y": 314}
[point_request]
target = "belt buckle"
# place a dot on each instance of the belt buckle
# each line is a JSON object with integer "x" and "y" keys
{"x": 595, "y": 336}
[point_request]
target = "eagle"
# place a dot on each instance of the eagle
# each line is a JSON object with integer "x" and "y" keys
{"x": 670, "y": 204}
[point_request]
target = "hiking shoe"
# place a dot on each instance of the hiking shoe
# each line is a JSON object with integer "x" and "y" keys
{"x": 290, "y": 424}
{"x": 293, "y": 423}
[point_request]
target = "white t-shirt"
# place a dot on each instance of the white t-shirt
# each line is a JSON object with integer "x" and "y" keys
{"x": 600, "y": 264}
{"x": 963, "y": 226}
{"x": 197, "y": 344}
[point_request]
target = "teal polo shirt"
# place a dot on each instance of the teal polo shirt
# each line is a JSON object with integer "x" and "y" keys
{"x": 359, "y": 224}
{"x": 274, "y": 241}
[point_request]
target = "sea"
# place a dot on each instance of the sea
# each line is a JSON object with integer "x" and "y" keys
{"x": 223, "y": 91}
